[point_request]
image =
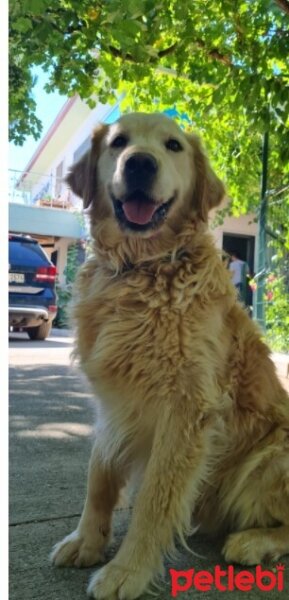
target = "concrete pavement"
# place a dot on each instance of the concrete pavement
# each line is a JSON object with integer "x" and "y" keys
{"x": 51, "y": 418}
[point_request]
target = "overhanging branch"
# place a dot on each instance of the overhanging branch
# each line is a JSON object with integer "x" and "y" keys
{"x": 284, "y": 5}
{"x": 129, "y": 57}
{"x": 214, "y": 53}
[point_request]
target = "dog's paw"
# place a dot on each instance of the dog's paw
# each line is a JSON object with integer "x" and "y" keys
{"x": 248, "y": 547}
{"x": 118, "y": 582}
{"x": 76, "y": 550}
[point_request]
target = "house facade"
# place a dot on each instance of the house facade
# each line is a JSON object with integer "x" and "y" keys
{"x": 40, "y": 203}
{"x": 67, "y": 140}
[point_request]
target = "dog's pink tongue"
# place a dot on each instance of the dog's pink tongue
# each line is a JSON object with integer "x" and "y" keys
{"x": 138, "y": 211}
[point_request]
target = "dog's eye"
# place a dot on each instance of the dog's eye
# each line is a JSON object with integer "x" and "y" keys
{"x": 174, "y": 145}
{"x": 119, "y": 141}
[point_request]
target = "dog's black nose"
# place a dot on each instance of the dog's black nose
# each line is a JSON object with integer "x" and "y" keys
{"x": 140, "y": 168}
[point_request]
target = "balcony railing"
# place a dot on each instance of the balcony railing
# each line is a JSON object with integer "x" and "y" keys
{"x": 38, "y": 189}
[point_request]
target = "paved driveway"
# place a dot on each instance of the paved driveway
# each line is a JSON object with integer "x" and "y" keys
{"x": 51, "y": 417}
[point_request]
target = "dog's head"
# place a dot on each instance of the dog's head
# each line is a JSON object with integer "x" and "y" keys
{"x": 144, "y": 172}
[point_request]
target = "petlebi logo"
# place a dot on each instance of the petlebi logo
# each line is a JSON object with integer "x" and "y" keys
{"x": 228, "y": 580}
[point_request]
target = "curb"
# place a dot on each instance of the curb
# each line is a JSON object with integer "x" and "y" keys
{"x": 61, "y": 332}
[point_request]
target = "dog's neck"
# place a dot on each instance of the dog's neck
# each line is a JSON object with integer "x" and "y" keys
{"x": 170, "y": 258}
{"x": 121, "y": 253}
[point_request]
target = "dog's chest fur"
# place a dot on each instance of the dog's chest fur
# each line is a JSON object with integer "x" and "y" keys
{"x": 139, "y": 332}
{"x": 144, "y": 336}
{"x": 138, "y": 340}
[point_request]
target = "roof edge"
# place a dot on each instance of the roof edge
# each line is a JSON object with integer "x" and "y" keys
{"x": 62, "y": 113}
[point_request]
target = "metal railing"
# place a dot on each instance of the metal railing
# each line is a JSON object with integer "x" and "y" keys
{"x": 38, "y": 189}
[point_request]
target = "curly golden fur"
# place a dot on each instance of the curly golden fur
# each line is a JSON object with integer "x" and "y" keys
{"x": 188, "y": 397}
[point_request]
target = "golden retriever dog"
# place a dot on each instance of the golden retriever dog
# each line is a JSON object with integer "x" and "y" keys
{"x": 188, "y": 397}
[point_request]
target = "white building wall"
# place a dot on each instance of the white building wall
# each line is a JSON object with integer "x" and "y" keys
{"x": 97, "y": 115}
{"x": 243, "y": 225}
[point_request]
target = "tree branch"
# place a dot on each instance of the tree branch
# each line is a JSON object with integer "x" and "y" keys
{"x": 119, "y": 54}
{"x": 215, "y": 53}
{"x": 284, "y": 5}
{"x": 167, "y": 51}
{"x": 129, "y": 57}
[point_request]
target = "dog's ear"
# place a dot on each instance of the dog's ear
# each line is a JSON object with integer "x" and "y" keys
{"x": 82, "y": 178}
{"x": 209, "y": 189}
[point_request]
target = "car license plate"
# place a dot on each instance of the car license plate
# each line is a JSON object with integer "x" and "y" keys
{"x": 16, "y": 278}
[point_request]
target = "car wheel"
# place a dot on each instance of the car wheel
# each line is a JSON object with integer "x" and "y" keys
{"x": 41, "y": 332}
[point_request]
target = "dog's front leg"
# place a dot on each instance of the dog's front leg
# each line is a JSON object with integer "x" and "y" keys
{"x": 171, "y": 485}
{"x": 85, "y": 546}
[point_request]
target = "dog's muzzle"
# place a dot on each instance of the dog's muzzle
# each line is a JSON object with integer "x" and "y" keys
{"x": 137, "y": 209}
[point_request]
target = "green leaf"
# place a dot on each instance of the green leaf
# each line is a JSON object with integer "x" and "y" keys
{"x": 22, "y": 24}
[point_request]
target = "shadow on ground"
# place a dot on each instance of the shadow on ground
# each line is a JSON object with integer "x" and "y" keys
{"x": 51, "y": 427}
{"x": 18, "y": 340}
{"x": 52, "y": 416}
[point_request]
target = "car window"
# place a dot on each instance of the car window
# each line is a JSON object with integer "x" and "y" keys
{"x": 23, "y": 253}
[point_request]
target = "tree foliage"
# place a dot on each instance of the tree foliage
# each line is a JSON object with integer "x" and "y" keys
{"x": 277, "y": 276}
{"x": 223, "y": 64}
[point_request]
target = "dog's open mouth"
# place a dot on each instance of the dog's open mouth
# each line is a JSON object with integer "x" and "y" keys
{"x": 139, "y": 212}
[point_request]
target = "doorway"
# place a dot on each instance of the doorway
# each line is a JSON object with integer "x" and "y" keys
{"x": 244, "y": 247}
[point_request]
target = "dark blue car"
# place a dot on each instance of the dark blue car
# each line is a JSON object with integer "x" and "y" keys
{"x": 32, "y": 297}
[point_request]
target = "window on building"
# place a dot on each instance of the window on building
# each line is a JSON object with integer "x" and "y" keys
{"x": 58, "y": 182}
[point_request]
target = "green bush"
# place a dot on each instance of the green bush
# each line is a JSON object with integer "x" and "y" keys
{"x": 64, "y": 292}
{"x": 277, "y": 311}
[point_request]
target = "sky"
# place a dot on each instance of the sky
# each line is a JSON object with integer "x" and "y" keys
{"x": 48, "y": 106}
